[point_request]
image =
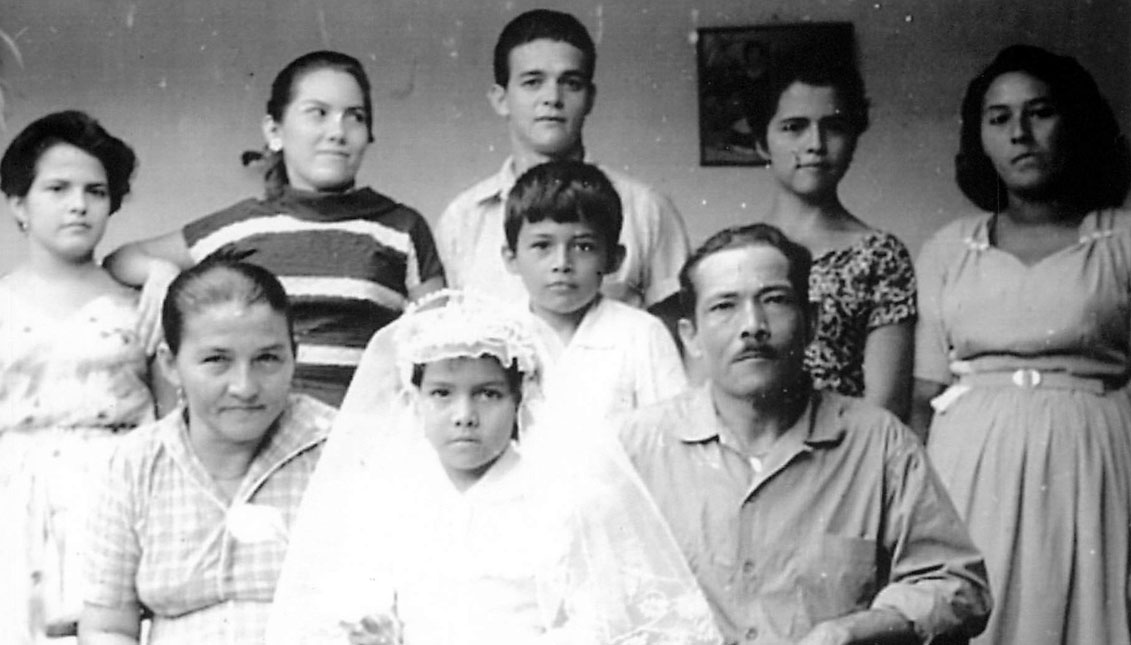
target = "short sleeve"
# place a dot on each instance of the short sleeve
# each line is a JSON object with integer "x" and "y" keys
{"x": 655, "y": 242}
{"x": 668, "y": 250}
{"x": 447, "y": 241}
{"x": 114, "y": 551}
{"x": 202, "y": 227}
{"x": 426, "y": 263}
{"x": 893, "y": 292}
{"x": 932, "y": 350}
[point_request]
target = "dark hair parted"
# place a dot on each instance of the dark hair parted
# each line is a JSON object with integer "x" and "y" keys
{"x": 819, "y": 69}
{"x": 283, "y": 87}
{"x": 539, "y": 24}
{"x": 283, "y": 93}
{"x": 220, "y": 278}
{"x": 1097, "y": 172}
{"x": 737, "y": 237}
{"x": 565, "y": 191}
{"x": 19, "y": 164}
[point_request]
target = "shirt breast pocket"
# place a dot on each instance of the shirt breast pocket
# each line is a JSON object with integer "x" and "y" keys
{"x": 836, "y": 575}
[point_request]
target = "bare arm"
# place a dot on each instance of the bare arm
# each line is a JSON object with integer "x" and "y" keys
{"x": 150, "y": 264}
{"x": 132, "y": 263}
{"x": 921, "y": 411}
{"x": 870, "y": 626}
{"x": 888, "y": 356}
{"x": 110, "y": 625}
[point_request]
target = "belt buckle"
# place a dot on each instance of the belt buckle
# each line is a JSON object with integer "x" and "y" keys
{"x": 1027, "y": 378}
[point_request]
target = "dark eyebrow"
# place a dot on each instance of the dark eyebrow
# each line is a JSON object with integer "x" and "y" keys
{"x": 499, "y": 383}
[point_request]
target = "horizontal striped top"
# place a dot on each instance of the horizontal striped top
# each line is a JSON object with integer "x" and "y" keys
{"x": 346, "y": 260}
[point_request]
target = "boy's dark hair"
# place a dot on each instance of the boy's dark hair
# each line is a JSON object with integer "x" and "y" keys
{"x": 540, "y": 24}
{"x": 20, "y": 161}
{"x": 1097, "y": 172}
{"x": 819, "y": 69}
{"x": 220, "y": 278}
{"x": 736, "y": 237}
{"x": 565, "y": 191}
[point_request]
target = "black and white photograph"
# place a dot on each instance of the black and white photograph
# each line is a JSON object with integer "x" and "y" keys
{"x": 565, "y": 322}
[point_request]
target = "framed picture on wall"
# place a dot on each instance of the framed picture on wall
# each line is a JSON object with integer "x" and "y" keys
{"x": 736, "y": 63}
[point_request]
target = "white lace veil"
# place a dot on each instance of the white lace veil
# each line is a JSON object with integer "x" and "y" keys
{"x": 616, "y": 575}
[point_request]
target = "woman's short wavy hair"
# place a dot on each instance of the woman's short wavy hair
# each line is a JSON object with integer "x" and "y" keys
{"x": 21, "y": 160}
{"x": 1098, "y": 170}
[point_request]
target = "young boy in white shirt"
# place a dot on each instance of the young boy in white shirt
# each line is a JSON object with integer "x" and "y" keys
{"x": 563, "y": 220}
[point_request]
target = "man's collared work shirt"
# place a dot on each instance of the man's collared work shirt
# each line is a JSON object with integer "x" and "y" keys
{"x": 842, "y": 515}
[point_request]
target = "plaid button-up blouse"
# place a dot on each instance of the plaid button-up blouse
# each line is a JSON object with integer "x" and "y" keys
{"x": 163, "y": 535}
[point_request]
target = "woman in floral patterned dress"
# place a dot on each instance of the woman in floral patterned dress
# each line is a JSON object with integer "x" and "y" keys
{"x": 863, "y": 282}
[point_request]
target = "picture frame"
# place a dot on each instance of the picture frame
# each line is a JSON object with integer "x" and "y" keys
{"x": 735, "y": 63}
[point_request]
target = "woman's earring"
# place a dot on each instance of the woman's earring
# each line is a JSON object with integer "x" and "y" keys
{"x": 275, "y": 146}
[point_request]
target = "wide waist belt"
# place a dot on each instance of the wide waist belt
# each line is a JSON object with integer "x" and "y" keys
{"x": 1034, "y": 379}
{"x": 1028, "y": 379}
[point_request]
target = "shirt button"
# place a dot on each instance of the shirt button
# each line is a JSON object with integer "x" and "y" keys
{"x": 752, "y": 634}
{"x": 748, "y": 568}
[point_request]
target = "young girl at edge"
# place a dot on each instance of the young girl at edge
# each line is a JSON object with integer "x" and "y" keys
{"x": 74, "y": 373}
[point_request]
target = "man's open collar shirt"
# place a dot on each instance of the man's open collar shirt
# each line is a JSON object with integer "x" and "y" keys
{"x": 842, "y": 515}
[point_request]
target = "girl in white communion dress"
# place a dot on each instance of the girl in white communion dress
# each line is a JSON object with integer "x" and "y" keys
{"x": 450, "y": 508}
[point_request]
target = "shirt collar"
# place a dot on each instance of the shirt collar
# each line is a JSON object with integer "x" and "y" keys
{"x": 704, "y": 421}
{"x": 303, "y": 423}
{"x": 820, "y": 425}
{"x": 497, "y": 186}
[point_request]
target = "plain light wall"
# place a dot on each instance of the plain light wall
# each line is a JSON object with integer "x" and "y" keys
{"x": 185, "y": 82}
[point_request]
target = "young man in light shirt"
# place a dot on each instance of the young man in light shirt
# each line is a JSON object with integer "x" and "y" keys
{"x": 543, "y": 64}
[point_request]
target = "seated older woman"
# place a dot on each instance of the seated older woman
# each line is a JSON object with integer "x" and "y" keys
{"x": 193, "y": 524}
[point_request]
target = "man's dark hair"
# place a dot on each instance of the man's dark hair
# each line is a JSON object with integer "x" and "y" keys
{"x": 540, "y": 24}
{"x": 737, "y": 237}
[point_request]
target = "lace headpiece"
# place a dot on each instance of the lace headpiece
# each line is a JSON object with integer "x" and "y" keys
{"x": 454, "y": 324}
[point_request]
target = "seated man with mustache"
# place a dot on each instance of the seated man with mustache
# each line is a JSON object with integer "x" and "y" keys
{"x": 807, "y": 517}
